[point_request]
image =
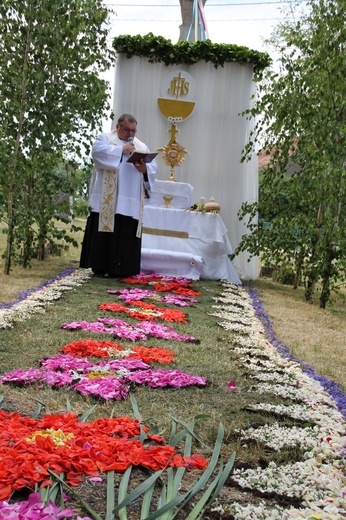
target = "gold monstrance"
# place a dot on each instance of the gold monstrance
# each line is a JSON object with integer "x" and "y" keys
{"x": 173, "y": 154}
{"x": 175, "y": 110}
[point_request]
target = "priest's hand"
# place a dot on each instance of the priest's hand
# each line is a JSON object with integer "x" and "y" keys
{"x": 128, "y": 148}
{"x": 141, "y": 166}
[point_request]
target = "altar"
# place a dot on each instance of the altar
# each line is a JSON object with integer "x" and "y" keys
{"x": 181, "y": 242}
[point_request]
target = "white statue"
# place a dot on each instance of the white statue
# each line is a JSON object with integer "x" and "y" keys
{"x": 187, "y": 30}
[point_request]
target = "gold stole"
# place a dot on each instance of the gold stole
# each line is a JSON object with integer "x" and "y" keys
{"x": 141, "y": 210}
{"x": 109, "y": 191}
{"x": 107, "y": 202}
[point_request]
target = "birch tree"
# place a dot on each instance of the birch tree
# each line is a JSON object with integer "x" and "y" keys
{"x": 301, "y": 111}
{"x": 53, "y": 100}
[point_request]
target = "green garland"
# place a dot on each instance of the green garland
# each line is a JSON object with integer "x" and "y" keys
{"x": 159, "y": 50}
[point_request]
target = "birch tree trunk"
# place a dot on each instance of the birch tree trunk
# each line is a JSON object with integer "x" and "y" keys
{"x": 11, "y": 211}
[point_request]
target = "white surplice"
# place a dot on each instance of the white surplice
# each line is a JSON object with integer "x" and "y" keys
{"x": 108, "y": 155}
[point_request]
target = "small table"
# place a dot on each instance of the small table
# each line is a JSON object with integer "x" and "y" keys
{"x": 192, "y": 232}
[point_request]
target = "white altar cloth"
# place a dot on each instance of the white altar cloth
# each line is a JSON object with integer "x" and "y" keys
{"x": 180, "y": 194}
{"x": 201, "y": 234}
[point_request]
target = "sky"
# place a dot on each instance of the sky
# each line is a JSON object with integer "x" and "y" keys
{"x": 240, "y": 22}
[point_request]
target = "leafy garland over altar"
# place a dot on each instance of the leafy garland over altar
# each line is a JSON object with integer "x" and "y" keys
{"x": 160, "y": 50}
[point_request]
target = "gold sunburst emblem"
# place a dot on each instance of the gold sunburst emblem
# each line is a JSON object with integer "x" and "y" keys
{"x": 173, "y": 154}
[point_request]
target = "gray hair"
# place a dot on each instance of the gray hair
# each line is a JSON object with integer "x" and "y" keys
{"x": 128, "y": 117}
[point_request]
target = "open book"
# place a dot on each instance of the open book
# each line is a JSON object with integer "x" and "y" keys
{"x": 136, "y": 156}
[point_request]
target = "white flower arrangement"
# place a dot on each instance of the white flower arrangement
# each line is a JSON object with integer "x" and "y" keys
{"x": 235, "y": 318}
{"x": 319, "y": 480}
{"x": 38, "y": 300}
{"x": 235, "y": 328}
{"x": 277, "y": 437}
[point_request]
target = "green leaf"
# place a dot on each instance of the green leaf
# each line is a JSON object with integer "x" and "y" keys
{"x": 213, "y": 489}
{"x": 146, "y": 502}
{"x": 201, "y": 482}
{"x": 142, "y": 436}
{"x": 138, "y": 491}
{"x": 37, "y": 411}
{"x": 186, "y": 426}
{"x": 110, "y": 497}
{"x": 198, "y": 508}
{"x": 71, "y": 491}
{"x": 87, "y": 414}
{"x": 135, "y": 407}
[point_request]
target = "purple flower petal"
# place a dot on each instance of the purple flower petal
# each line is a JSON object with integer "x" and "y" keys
{"x": 163, "y": 378}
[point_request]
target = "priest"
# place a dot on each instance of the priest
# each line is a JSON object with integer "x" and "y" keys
{"x": 112, "y": 238}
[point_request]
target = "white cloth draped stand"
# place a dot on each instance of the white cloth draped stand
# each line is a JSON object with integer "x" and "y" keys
{"x": 197, "y": 241}
{"x": 180, "y": 193}
{"x": 171, "y": 263}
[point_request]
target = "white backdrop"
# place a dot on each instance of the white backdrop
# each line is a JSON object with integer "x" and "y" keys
{"x": 214, "y": 134}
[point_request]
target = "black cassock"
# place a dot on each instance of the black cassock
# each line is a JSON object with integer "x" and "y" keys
{"x": 118, "y": 253}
